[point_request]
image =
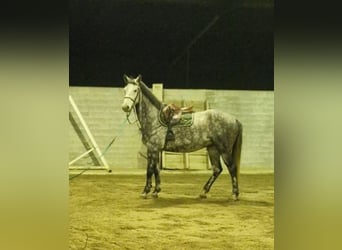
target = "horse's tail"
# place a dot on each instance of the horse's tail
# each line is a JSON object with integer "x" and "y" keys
{"x": 237, "y": 149}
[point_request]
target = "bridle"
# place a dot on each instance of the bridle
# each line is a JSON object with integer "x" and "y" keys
{"x": 128, "y": 114}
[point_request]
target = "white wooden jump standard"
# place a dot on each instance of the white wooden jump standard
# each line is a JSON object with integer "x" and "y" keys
{"x": 79, "y": 157}
{"x": 92, "y": 139}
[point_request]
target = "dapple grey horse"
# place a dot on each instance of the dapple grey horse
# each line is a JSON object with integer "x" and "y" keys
{"x": 217, "y": 131}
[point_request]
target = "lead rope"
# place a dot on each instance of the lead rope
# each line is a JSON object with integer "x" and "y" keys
{"x": 136, "y": 118}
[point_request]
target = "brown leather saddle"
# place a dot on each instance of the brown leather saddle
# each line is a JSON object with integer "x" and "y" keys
{"x": 172, "y": 115}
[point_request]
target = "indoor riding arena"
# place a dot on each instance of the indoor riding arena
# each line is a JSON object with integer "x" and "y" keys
{"x": 214, "y": 59}
{"x": 106, "y": 210}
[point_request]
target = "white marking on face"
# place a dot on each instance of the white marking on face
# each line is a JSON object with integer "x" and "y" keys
{"x": 131, "y": 96}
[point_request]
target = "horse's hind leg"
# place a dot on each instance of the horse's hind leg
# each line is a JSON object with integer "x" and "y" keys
{"x": 214, "y": 157}
{"x": 233, "y": 171}
{"x": 232, "y": 159}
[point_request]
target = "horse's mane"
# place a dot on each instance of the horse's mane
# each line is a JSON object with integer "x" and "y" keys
{"x": 148, "y": 93}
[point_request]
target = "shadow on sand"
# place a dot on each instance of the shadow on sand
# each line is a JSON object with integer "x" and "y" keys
{"x": 163, "y": 202}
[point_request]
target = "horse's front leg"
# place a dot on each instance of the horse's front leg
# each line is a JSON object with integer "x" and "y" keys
{"x": 149, "y": 173}
{"x": 152, "y": 162}
{"x": 156, "y": 171}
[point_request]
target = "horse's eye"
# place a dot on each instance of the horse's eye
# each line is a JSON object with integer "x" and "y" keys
{"x": 135, "y": 91}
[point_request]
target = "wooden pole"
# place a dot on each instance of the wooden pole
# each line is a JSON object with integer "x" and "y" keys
{"x": 196, "y": 38}
{"x": 157, "y": 89}
{"x": 79, "y": 157}
{"x": 92, "y": 139}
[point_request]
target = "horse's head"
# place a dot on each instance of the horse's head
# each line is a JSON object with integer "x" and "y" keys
{"x": 132, "y": 92}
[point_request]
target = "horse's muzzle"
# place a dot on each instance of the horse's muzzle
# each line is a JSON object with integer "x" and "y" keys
{"x": 125, "y": 107}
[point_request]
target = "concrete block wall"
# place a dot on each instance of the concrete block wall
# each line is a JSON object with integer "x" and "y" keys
{"x": 101, "y": 109}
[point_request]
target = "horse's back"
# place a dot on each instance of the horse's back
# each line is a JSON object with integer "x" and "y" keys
{"x": 209, "y": 127}
{"x": 222, "y": 128}
{"x": 214, "y": 117}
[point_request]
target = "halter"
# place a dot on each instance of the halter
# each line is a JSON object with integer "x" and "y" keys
{"x": 128, "y": 114}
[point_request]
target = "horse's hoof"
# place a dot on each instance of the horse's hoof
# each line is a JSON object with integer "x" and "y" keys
{"x": 155, "y": 195}
{"x": 203, "y": 196}
{"x": 143, "y": 195}
{"x": 235, "y": 197}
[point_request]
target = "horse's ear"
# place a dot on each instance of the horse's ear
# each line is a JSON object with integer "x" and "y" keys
{"x": 138, "y": 79}
{"x": 125, "y": 78}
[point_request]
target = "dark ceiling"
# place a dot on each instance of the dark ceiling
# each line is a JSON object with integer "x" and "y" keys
{"x": 230, "y": 44}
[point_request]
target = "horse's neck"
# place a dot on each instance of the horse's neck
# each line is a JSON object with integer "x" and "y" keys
{"x": 148, "y": 113}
